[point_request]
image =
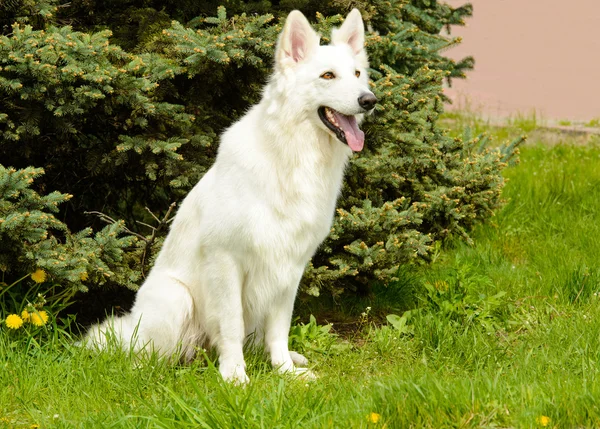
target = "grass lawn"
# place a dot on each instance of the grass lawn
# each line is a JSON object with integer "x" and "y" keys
{"x": 503, "y": 333}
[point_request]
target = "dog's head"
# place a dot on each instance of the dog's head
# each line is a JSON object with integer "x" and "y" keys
{"x": 333, "y": 79}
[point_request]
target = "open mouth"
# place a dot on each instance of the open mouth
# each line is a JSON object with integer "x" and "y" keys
{"x": 344, "y": 127}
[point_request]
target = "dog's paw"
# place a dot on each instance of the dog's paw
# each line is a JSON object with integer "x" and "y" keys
{"x": 295, "y": 372}
{"x": 235, "y": 374}
{"x": 303, "y": 374}
{"x": 298, "y": 359}
{"x": 238, "y": 378}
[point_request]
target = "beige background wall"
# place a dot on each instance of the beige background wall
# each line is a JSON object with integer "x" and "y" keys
{"x": 531, "y": 54}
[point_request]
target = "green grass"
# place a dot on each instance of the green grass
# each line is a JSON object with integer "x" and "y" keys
{"x": 501, "y": 333}
{"x": 594, "y": 123}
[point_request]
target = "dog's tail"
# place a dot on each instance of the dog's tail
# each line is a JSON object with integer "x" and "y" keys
{"x": 162, "y": 321}
{"x": 114, "y": 332}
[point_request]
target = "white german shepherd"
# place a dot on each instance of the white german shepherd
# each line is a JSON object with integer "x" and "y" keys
{"x": 236, "y": 251}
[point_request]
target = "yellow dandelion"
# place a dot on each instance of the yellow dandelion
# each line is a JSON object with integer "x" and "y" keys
{"x": 13, "y": 321}
{"x": 39, "y": 318}
{"x": 441, "y": 285}
{"x": 374, "y": 418}
{"x": 39, "y": 276}
{"x": 543, "y": 420}
{"x": 25, "y": 316}
{"x": 84, "y": 276}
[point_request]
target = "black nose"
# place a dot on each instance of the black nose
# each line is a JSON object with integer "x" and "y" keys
{"x": 367, "y": 101}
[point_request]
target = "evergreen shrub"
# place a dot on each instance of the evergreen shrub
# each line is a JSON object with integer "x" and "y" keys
{"x": 124, "y": 129}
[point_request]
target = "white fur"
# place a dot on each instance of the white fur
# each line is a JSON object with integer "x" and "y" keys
{"x": 231, "y": 264}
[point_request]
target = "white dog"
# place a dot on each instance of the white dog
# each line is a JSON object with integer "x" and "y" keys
{"x": 237, "y": 248}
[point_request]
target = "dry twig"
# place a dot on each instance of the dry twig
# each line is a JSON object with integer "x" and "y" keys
{"x": 148, "y": 240}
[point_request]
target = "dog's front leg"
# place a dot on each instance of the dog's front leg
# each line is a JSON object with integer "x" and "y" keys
{"x": 277, "y": 330}
{"x": 230, "y": 347}
{"x": 225, "y": 315}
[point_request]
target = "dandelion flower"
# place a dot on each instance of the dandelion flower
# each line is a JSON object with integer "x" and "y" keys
{"x": 13, "y": 321}
{"x": 441, "y": 285}
{"x": 38, "y": 276}
{"x": 25, "y": 315}
{"x": 39, "y": 318}
{"x": 374, "y": 417}
{"x": 543, "y": 420}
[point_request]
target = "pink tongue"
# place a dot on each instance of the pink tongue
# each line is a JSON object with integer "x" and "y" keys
{"x": 354, "y": 136}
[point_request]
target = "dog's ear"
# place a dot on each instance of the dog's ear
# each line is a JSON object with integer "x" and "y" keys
{"x": 297, "y": 41}
{"x": 352, "y": 32}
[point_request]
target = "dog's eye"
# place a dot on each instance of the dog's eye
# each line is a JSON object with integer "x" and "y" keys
{"x": 328, "y": 75}
{"x": 357, "y": 73}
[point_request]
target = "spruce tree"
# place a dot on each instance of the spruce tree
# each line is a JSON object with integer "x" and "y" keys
{"x": 31, "y": 237}
{"x": 123, "y": 129}
{"x": 413, "y": 185}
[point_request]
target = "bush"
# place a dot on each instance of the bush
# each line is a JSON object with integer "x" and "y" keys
{"x": 87, "y": 112}
{"x": 123, "y": 130}
{"x": 31, "y": 238}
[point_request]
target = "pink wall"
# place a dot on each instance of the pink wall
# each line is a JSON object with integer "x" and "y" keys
{"x": 531, "y": 54}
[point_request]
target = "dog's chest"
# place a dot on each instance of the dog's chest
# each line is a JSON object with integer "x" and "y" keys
{"x": 299, "y": 206}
